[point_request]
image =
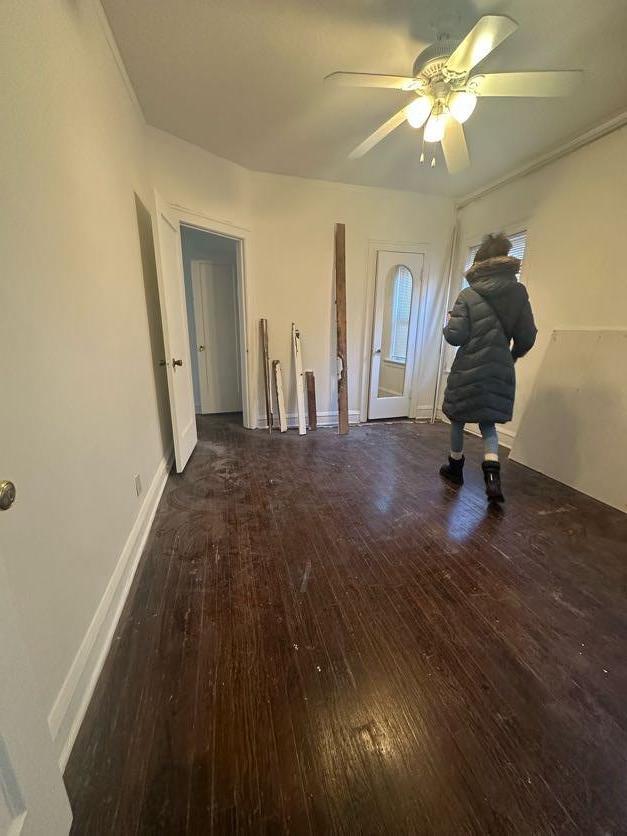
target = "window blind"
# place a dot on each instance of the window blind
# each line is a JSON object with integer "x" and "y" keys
{"x": 519, "y": 245}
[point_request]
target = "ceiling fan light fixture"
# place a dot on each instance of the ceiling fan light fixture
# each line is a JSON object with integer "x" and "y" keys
{"x": 435, "y": 127}
{"x": 418, "y": 111}
{"x": 461, "y": 105}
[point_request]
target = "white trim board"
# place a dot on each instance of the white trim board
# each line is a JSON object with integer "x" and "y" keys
{"x": 72, "y": 701}
{"x": 325, "y": 419}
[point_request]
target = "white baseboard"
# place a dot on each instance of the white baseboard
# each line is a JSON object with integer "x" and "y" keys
{"x": 325, "y": 419}
{"x": 506, "y": 435}
{"x": 72, "y": 701}
{"x": 423, "y": 412}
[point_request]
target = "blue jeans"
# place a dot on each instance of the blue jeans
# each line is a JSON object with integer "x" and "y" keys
{"x": 488, "y": 433}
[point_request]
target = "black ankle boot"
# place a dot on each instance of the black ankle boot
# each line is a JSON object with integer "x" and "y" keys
{"x": 454, "y": 470}
{"x": 492, "y": 476}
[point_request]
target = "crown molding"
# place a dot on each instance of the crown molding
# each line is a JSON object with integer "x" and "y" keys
{"x": 117, "y": 59}
{"x": 591, "y": 135}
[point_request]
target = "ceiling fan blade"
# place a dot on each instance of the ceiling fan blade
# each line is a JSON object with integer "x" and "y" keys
{"x": 486, "y": 35}
{"x": 455, "y": 148}
{"x": 393, "y": 82}
{"x": 381, "y": 132}
{"x": 547, "y": 83}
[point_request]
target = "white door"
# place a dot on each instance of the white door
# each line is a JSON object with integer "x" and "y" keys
{"x": 175, "y": 333}
{"x": 217, "y": 338}
{"x": 397, "y": 302}
{"x": 32, "y": 795}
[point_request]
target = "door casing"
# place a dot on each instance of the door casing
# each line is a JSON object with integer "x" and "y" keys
{"x": 241, "y": 236}
{"x": 374, "y": 247}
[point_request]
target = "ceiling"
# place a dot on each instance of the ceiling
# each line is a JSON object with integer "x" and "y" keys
{"x": 244, "y": 79}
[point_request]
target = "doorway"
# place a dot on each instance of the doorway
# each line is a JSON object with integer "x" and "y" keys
{"x": 398, "y": 292}
{"x": 210, "y": 268}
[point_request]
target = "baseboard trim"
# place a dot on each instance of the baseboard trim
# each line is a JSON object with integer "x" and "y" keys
{"x": 72, "y": 701}
{"x": 325, "y": 419}
{"x": 422, "y": 413}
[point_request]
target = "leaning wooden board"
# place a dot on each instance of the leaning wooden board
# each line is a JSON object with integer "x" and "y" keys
{"x": 340, "y": 315}
{"x": 280, "y": 398}
{"x": 266, "y": 372}
{"x": 312, "y": 414}
{"x": 298, "y": 370}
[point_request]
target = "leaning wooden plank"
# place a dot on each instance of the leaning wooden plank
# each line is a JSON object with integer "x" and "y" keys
{"x": 312, "y": 414}
{"x": 266, "y": 372}
{"x": 298, "y": 370}
{"x": 340, "y": 316}
{"x": 280, "y": 399}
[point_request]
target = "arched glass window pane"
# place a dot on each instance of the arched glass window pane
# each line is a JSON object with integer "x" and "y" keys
{"x": 401, "y": 310}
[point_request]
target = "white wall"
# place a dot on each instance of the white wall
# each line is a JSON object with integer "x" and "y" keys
{"x": 293, "y": 224}
{"x": 574, "y": 210}
{"x": 289, "y": 224}
{"x": 80, "y": 399}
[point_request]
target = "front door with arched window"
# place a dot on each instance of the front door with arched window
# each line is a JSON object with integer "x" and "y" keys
{"x": 397, "y": 301}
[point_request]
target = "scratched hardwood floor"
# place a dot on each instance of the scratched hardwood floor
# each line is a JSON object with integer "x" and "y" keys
{"x": 322, "y": 637}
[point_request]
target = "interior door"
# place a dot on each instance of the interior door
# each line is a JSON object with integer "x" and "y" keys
{"x": 32, "y": 795}
{"x": 175, "y": 333}
{"x": 398, "y": 292}
{"x": 216, "y": 320}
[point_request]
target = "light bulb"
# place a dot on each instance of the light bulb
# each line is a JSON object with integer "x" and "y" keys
{"x": 461, "y": 104}
{"x": 434, "y": 129}
{"x": 418, "y": 111}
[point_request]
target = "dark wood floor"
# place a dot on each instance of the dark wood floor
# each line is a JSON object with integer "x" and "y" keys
{"x": 322, "y": 637}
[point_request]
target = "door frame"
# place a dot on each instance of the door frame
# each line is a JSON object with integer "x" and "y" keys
{"x": 374, "y": 246}
{"x": 241, "y": 236}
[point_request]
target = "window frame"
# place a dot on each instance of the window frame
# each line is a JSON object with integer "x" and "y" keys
{"x": 390, "y": 357}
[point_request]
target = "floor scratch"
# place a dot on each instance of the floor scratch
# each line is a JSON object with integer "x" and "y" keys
{"x": 305, "y": 580}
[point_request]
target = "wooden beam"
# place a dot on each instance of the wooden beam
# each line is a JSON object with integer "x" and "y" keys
{"x": 266, "y": 371}
{"x": 312, "y": 413}
{"x": 340, "y": 316}
{"x": 280, "y": 399}
{"x": 298, "y": 370}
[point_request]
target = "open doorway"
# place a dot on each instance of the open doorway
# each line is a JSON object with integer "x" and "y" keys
{"x": 210, "y": 269}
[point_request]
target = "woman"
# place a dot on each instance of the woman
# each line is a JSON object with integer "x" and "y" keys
{"x": 481, "y": 386}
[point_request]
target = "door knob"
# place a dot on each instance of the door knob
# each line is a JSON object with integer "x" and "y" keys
{"x": 176, "y": 363}
{"x": 7, "y": 495}
{"x": 201, "y": 348}
{"x": 377, "y": 351}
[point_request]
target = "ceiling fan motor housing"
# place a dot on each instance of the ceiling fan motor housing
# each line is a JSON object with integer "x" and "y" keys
{"x": 430, "y": 62}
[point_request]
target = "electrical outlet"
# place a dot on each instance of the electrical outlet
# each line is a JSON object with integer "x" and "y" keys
{"x": 138, "y": 484}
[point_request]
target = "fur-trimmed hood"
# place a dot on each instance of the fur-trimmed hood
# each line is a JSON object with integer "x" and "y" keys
{"x": 499, "y": 264}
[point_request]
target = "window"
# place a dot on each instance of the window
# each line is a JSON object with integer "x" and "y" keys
{"x": 519, "y": 245}
{"x": 401, "y": 308}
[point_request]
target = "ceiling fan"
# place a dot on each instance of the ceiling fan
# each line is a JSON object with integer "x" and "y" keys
{"x": 446, "y": 93}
